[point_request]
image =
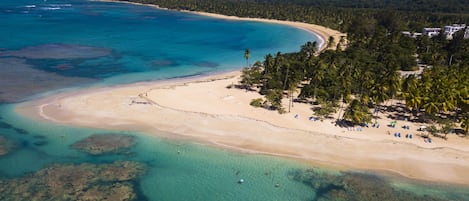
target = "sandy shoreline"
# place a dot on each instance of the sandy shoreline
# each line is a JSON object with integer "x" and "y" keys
{"x": 323, "y": 33}
{"x": 205, "y": 110}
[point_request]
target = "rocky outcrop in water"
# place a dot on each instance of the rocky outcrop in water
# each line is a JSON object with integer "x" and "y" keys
{"x": 104, "y": 143}
{"x": 104, "y": 182}
{"x": 350, "y": 186}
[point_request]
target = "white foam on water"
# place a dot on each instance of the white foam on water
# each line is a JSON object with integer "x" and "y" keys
{"x": 60, "y": 5}
{"x": 51, "y": 8}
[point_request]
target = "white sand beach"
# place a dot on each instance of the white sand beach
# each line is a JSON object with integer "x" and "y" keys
{"x": 205, "y": 110}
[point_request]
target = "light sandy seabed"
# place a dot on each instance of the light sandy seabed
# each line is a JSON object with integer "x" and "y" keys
{"x": 205, "y": 110}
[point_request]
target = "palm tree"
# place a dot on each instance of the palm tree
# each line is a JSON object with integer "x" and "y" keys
{"x": 247, "y": 54}
{"x": 411, "y": 94}
{"x": 345, "y": 78}
{"x": 357, "y": 112}
{"x": 317, "y": 74}
{"x": 268, "y": 64}
{"x": 279, "y": 61}
{"x": 251, "y": 76}
{"x": 465, "y": 124}
{"x": 291, "y": 89}
{"x": 340, "y": 43}
{"x": 308, "y": 50}
{"x": 330, "y": 42}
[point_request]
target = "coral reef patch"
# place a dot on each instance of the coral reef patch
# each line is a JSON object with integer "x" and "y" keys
{"x": 104, "y": 143}
{"x": 58, "y": 51}
{"x": 105, "y": 182}
{"x": 5, "y": 146}
{"x": 351, "y": 186}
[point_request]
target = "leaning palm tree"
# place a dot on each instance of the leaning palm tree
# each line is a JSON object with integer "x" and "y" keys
{"x": 247, "y": 54}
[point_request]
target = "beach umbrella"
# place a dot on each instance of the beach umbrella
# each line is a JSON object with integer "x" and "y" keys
{"x": 422, "y": 128}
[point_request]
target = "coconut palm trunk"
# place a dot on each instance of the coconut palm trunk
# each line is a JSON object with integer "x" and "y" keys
{"x": 247, "y": 55}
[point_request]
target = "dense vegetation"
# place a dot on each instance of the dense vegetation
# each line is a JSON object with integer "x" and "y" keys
{"x": 366, "y": 74}
{"x": 336, "y": 14}
{"x": 447, "y": 6}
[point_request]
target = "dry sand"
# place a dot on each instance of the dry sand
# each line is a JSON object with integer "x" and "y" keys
{"x": 205, "y": 110}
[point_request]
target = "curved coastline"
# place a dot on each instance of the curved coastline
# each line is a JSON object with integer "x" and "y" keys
{"x": 322, "y": 33}
{"x": 203, "y": 109}
{"x": 206, "y": 111}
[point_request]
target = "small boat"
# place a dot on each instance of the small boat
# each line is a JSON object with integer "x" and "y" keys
{"x": 241, "y": 181}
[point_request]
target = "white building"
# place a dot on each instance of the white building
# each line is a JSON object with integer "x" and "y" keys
{"x": 417, "y": 34}
{"x": 450, "y": 30}
{"x": 430, "y": 32}
{"x": 413, "y": 35}
{"x": 406, "y": 33}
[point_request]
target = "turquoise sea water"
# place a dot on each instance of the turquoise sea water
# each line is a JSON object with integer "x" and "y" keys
{"x": 47, "y": 46}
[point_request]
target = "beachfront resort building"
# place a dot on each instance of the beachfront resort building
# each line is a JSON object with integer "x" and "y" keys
{"x": 451, "y": 29}
{"x": 448, "y": 31}
{"x": 413, "y": 35}
{"x": 430, "y": 32}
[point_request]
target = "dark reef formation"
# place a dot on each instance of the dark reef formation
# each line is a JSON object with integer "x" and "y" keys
{"x": 5, "y": 146}
{"x": 349, "y": 186}
{"x": 58, "y": 51}
{"x": 20, "y": 80}
{"x": 104, "y": 182}
{"x": 104, "y": 143}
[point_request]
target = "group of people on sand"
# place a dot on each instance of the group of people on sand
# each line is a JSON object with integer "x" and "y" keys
{"x": 398, "y": 134}
{"x": 392, "y": 124}
{"x": 410, "y": 135}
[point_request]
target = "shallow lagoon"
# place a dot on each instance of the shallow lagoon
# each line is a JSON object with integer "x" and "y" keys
{"x": 185, "y": 170}
{"x": 49, "y": 46}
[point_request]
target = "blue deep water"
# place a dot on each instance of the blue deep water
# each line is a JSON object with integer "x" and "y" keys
{"x": 81, "y": 42}
{"x": 47, "y": 46}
